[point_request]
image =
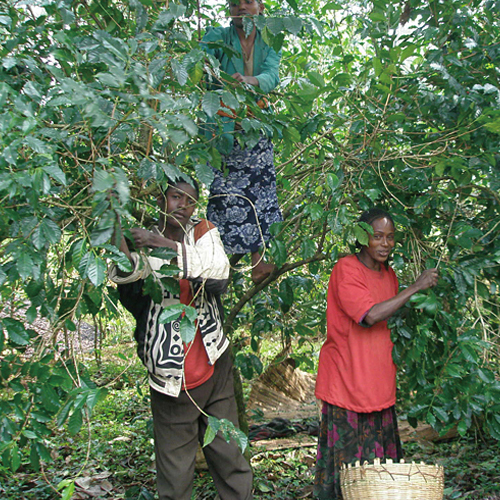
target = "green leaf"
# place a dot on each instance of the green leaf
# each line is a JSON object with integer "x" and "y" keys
{"x": 316, "y": 78}
{"x": 37, "y": 145}
{"x": 230, "y": 100}
{"x": 153, "y": 289}
{"x": 278, "y": 250}
{"x": 441, "y": 414}
{"x": 196, "y": 73}
{"x": 293, "y": 24}
{"x": 307, "y": 249}
{"x": 115, "y": 79}
{"x": 333, "y": 181}
{"x": 171, "y": 284}
{"x": 46, "y": 233}
{"x": 469, "y": 353}
{"x": 171, "y": 313}
{"x": 286, "y": 295}
{"x": 361, "y": 235}
{"x": 249, "y": 365}
{"x": 204, "y": 173}
{"x": 191, "y": 313}
{"x": 367, "y": 227}
{"x": 168, "y": 270}
{"x": 396, "y": 117}
{"x": 315, "y": 210}
{"x": 462, "y": 428}
{"x": 486, "y": 375}
{"x": 164, "y": 253}
{"x": 211, "y": 103}
{"x": 229, "y": 431}
{"x": 103, "y": 181}
{"x": 431, "y": 419}
{"x": 17, "y": 334}
{"x": 24, "y": 264}
{"x": 49, "y": 398}
{"x": 454, "y": 370}
{"x": 275, "y": 25}
{"x": 29, "y": 434}
{"x": 56, "y": 173}
{"x": 147, "y": 169}
{"x": 63, "y": 413}
{"x": 187, "y": 329}
{"x": 264, "y": 486}
{"x": 212, "y": 430}
{"x": 180, "y": 72}
{"x": 68, "y": 488}
{"x": 75, "y": 422}
{"x": 96, "y": 395}
{"x": 174, "y": 11}
{"x": 94, "y": 268}
{"x": 188, "y": 124}
{"x": 34, "y": 457}
{"x": 15, "y": 458}
{"x": 373, "y": 194}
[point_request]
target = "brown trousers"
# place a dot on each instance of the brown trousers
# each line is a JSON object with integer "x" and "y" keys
{"x": 179, "y": 426}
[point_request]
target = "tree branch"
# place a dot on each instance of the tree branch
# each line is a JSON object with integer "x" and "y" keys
{"x": 249, "y": 294}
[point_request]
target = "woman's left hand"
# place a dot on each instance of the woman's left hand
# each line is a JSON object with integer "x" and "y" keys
{"x": 427, "y": 279}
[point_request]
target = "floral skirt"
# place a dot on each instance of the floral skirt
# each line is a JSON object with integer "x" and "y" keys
{"x": 243, "y": 202}
{"x": 346, "y": 436}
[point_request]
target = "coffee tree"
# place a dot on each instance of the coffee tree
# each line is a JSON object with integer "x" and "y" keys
{"x": 380, "y": 103}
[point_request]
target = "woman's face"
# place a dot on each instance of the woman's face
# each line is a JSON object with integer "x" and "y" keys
{"x": 381, "y": 242}
{"x": 238, "y": 9}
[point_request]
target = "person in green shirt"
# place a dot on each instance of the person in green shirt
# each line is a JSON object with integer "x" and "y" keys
{"x": 243, "y": 202}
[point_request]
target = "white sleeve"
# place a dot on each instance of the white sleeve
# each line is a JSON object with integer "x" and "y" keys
{"x": 204, "y": 259}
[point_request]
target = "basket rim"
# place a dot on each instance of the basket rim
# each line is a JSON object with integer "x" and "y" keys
{"x": 384, "y": 480}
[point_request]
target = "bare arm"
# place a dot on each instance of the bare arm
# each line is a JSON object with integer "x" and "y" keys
{"x": 384, "y": 310}
{"x": 144, "y": 239}
{"x": 147, "y": 239}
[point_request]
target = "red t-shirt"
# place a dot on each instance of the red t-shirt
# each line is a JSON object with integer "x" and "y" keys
{"x": 197, "y": 368}
{"x": 356, "y": 370}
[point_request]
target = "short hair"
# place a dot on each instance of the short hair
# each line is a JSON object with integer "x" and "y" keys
{"x": 183, "y": 179}
{"x": 375, "y": 213}
{"x": 371, "y": 215}
{"x": 234, "y": 1}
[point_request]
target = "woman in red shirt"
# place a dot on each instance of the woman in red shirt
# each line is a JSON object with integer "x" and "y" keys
{"x": 356, "y": 375}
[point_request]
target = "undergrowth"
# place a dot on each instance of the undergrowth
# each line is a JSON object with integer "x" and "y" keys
{"x": 113, "y": 457}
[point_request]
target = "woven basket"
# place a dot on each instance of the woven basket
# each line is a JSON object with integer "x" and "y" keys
{"x": 392, "y": 481}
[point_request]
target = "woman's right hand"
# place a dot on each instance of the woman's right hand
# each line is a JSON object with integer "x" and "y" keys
{"x": 427, "y": 279}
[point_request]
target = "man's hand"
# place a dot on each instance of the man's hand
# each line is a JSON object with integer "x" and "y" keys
{"x": 143, "y": 238}
{"x": 250, "y": 80}
{"x": 148, "y": 239}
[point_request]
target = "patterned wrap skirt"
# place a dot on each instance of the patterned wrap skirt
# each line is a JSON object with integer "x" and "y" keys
{"x": 346, "y": 436}
{"x": 243, "y": 202}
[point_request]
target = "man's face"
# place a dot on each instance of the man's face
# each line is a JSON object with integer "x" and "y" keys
{"x": 241, "y": 8}
{"x": 178, "y": 204}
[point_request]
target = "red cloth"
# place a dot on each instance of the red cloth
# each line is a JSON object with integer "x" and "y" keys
{"x": 356, "y": 370}
{"x": 197, "y": 368}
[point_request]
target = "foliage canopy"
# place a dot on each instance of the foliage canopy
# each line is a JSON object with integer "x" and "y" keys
{"x": 388, "y": 103}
